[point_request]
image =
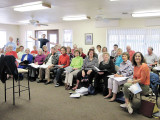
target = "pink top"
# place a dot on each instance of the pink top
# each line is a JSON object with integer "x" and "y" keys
{"x": 46, "y": 53}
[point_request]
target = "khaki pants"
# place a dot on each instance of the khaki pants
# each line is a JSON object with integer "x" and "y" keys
{"x": 126, "y": 91}
{"x": 47, "y": 73}
{"x": 69, "y": 77}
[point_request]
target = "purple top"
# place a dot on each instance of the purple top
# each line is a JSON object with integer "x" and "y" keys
{"x": 39, "y": 59}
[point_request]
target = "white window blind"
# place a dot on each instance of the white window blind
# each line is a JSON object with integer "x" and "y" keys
{"x": 3, "y": 39}
{"x": 138, "y": 39}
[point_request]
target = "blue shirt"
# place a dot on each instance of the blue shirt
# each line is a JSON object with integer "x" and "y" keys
{"x": 118, "y": 60}
{"x": 11, "y": 44}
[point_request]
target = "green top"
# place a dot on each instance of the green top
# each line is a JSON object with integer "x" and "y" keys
{"x": 77, "y": 62}
{"x": 20, "y": 54}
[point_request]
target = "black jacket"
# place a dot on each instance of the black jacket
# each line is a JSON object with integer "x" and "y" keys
{"x": 110, "y": 67}
{"x": 8, "y": 66}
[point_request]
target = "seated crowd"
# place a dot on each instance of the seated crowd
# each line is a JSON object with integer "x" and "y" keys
{"x": 78, "y": 65}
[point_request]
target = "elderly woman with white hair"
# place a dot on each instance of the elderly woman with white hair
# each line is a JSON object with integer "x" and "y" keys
{"x": 39, "y": 60}
{"x": 26, "y": 57}
{"x": 107, "y": 66}
{"x": 125, "y": 70}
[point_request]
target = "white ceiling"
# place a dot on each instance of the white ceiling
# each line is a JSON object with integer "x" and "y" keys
{"x": 62, "y": 8}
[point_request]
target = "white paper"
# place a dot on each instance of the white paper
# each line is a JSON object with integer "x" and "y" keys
{"x": 82, "y": 91}
{"x": 156, "y": 68}
{"x": 120, "y": 78}
{"x": 75, "y": 95}
{"x": 44, "y": 66}
{"x": 117, "y": 78}
{"x": 18, "y": 60}
{"x": 34, "y": 65}
{"x": 110, "y": 76}
{"x": 135, "y": 88}
{"x": 68, "y": 69}
{"x": 96, "y": 68}
{"x": 58, "y": 65}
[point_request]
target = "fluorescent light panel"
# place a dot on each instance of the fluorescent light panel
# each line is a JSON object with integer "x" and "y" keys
{"x": 77, "y": 17}
{"x": 32, "y": 6}
{"x": 146, "y": 14}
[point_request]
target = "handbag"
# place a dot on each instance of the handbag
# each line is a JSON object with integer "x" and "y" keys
{"x": 148, "y": 108}
{"x": 91, "y": 90}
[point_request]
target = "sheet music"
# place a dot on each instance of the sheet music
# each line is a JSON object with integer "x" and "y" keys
{"x": 135, "y": 88}
{"x": 157, "y": 68}
{"x": 34, "y": 65}
{"x": 58, "y": 65}
{"x": 117, "y": 78}
{"x": 96, "y": 68}
{"x": 44, "y": 66}
{"x": 120, "y": 78}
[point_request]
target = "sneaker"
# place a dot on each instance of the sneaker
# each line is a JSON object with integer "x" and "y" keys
{"x": 57, "y": 85}
{"x": 129, "y": 107}
{"x": 123, "y": 105}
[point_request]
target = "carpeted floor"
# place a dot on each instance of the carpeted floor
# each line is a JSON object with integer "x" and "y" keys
{"x": 50, "y": 103}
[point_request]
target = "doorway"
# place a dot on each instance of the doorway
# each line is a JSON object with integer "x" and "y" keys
{"x": 51, "y": 35}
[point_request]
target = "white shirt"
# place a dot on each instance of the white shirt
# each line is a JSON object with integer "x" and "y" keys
{"x": 25, "y": 58}
{"x": 49, "y": 61}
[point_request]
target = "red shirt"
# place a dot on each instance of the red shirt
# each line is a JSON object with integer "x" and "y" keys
{"x": 83, "y": 55}
{"x": 64, "y": 60}
{"x": 12, "y": 53}
{"x": 34, "y": 52}
{"x": 131, "y": 53}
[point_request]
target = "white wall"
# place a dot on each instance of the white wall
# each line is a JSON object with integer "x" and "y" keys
{"x": 80, "y": 28}
{"x": 12, "y": 30}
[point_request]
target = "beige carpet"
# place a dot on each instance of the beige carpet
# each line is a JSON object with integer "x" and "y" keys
{"x": 50, "y": 103}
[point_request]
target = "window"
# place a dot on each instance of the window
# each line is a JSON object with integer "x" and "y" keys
{"x": 29, "y": 41}
{"x": 138, "y": 39}
{"x": 51, "y": 35}
{"x": 3, "y": 39}
{"x": 39, "y": 35}
{"x": 67, "y": 40}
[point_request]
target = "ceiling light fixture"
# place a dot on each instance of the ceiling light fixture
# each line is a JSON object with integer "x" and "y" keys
{"x": 78, "y": 17}
{"x": 146, "y": 14}
{"x": 32, "y": 6}
{"x": 114, "y": 0}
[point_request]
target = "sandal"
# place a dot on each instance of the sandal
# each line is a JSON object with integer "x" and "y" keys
{"x": 108, "y": 96}
{"x": 75, "y": 88}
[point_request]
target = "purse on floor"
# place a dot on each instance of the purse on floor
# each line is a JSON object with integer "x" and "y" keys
{"x": 148, "y": 108}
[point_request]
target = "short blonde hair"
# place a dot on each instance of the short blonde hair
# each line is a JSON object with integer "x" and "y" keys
{"x": 119, "y": 49}
{"x": 106, "y": 53}
{"x": 44, "y": 46}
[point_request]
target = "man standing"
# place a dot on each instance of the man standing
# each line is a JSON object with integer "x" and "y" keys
{"x": 43, "y": 40}
{"x": 130, "y": 52}
{"x": 151, "y": 58}
{"x": 114, "y": 51}
{"x": 11, "y": 43}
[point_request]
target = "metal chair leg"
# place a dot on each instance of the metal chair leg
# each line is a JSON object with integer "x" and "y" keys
{"x": 5, "y": 91}
{"x": 13, "y": 93}
{"x": 29, "y": 89}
